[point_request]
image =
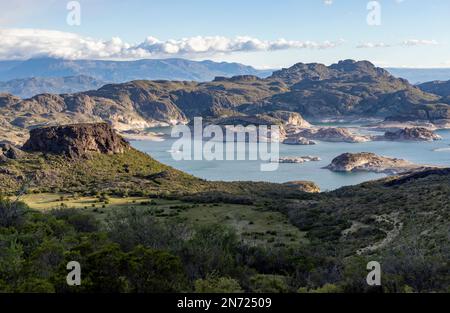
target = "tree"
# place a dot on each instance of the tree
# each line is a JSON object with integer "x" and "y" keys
{"x": 150, "y": 271}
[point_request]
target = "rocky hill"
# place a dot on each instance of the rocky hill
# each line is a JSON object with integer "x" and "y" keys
{"x": 346, "y": 90}
{"x": 86, "y": 157}
{"x": 77, "y": 140}
{"x": 352, "y": 89}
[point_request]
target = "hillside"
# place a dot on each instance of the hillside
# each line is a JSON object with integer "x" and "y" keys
{"x": 85, "y": 158}
{"x": 110, "y": 204}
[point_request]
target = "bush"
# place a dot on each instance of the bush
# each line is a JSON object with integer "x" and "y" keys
{"x": 268, "y": 284}
{"x": 150, "y": 271}
{"x": 12, "y": 213}
{"x": 215, "y": 284}
{"x": 82, "y": 222}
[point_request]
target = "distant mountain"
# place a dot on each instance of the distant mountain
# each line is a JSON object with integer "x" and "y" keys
{"x": 29, "y": 87}
{"x": 421, "y": 75}
{"x": 123, "y": 71}
{"x": 346, "y": 90}
{"x": 441, "y": 88}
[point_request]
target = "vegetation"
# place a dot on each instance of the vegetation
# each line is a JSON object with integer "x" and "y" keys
{"x": 136, "y": 225}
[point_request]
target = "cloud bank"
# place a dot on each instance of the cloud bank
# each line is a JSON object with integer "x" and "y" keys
{"x": 29, "y": 43}
{"x": 405, "y": 43}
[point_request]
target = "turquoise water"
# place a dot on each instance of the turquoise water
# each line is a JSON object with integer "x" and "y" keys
{"x": 417, "y": 152}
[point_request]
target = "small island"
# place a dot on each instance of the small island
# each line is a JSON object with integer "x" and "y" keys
{"x": 370, "y": 162}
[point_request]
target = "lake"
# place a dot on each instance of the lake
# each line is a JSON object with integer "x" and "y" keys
{"x": 417, "y": 152}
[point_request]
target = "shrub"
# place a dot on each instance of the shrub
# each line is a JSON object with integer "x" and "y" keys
{"x": 215, "y": 284}
{"x": 261, "y": 283}
{"x": 12, "y": 213}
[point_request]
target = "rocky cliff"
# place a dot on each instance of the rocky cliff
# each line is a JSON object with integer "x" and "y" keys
{"x": 77, "y": 140}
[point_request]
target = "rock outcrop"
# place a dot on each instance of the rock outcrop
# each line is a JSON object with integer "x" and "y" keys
{"x": 411, "y": 134}
{"x": 76, "y": 140}
{"x": 370, "y": 162}
{"x": 291, "y": 119}
{"x": 10, "y": 152}
{"x": 331, "y": 134}
{"x": 298, "y": 140}
{"x": 305, "y": 186}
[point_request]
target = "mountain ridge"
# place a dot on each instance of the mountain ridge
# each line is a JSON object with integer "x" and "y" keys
{"x": 122, "y": 71}
{"x": 345, "y": 90}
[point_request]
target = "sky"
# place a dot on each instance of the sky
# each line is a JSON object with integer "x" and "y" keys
{"x": 261, "y": 33}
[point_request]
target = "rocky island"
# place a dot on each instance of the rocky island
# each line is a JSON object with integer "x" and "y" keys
{"x": 370, "y": 162}
{"x": 300, "y": 160}
{"x": 412, "y": 134}
{"x": 331, "y": 134}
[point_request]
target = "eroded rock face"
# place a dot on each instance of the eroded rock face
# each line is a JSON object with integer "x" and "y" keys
{"x": 370, "y": 162}
{"x": 77, "y": 140}
{"x": 412, "y": 134}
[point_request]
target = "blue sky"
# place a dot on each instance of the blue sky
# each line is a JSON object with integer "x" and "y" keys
{"x": 412, "y": 33}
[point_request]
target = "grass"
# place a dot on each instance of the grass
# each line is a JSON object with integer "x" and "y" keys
{"x": 253, "y": 224}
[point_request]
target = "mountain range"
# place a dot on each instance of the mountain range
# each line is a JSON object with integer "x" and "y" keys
{"x": 346, "y": 90}
{"x": 52, "y": 75}
{"x": 122, "y": 71}
{"x": 29, "y": 87}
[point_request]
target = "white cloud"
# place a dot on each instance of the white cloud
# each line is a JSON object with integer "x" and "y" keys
{"x": 419, "y": 42}
{"x": 28, "y": 43}
{"x": 373, "y": 45}
{"x": 405, "y": 43}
